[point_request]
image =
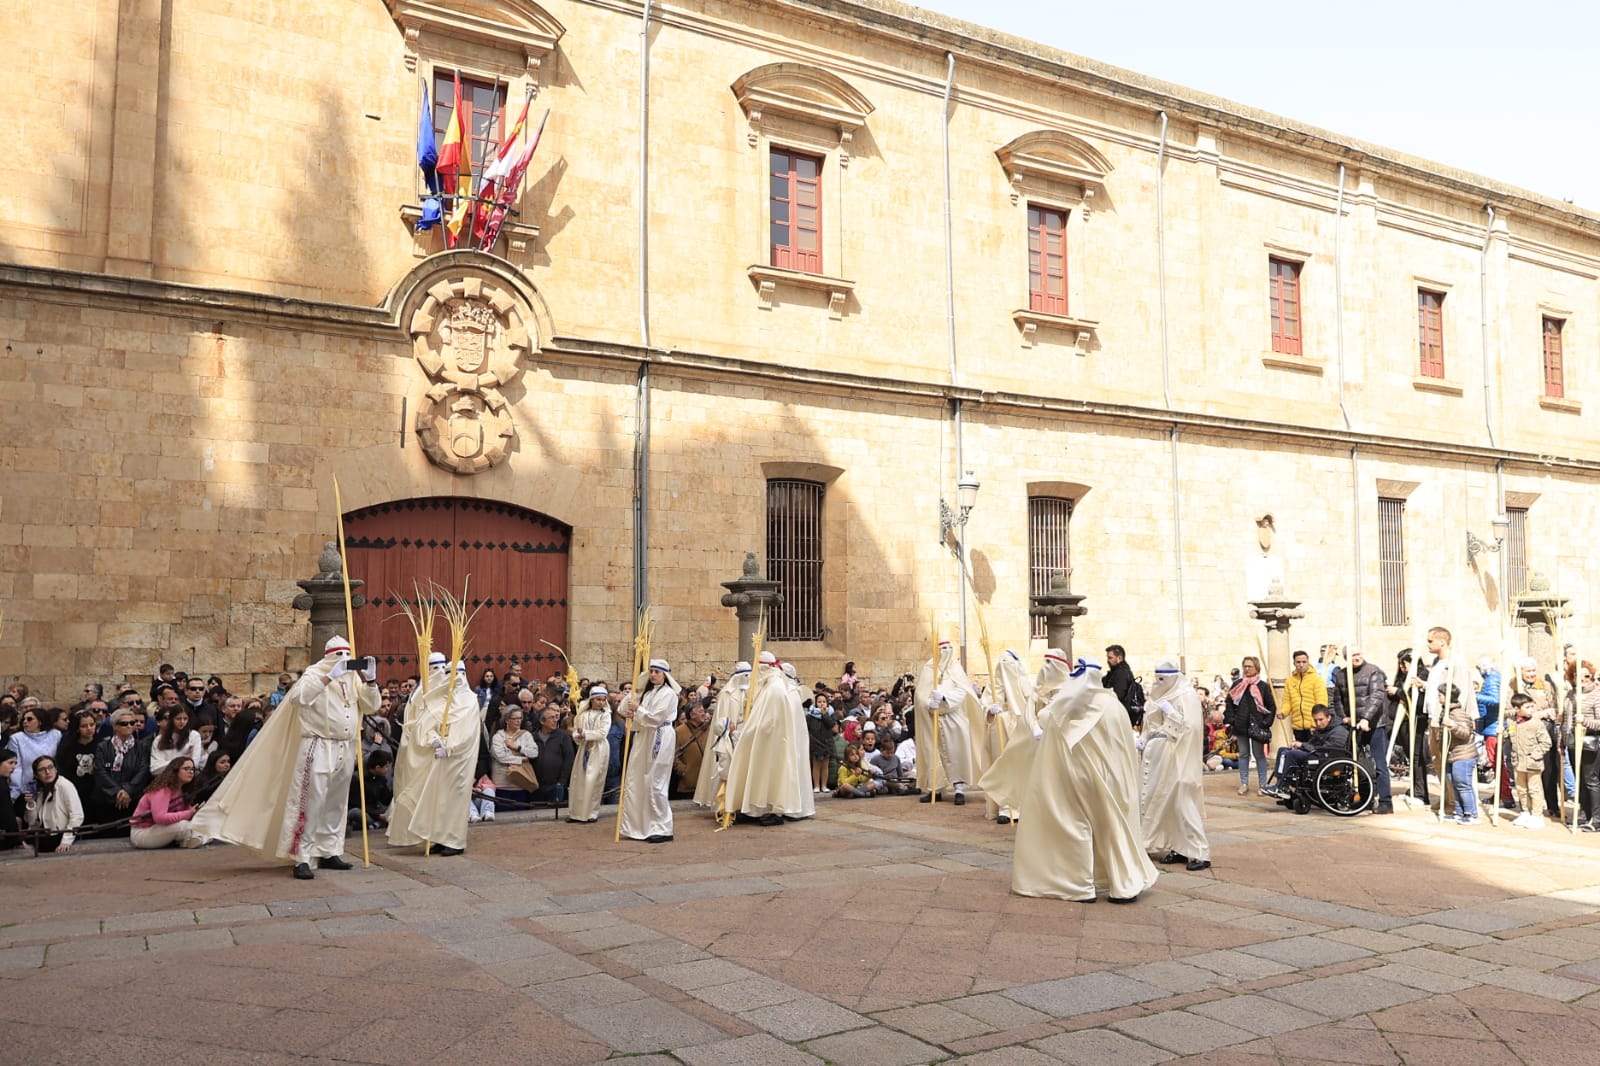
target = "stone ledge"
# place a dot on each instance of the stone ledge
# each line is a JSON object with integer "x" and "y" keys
{"x": 1565, "y": 404}
{"x": 1440, "y": 385}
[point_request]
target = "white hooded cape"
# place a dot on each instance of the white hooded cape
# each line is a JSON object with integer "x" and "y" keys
{"x": 432, "y": 795}
{"x": 648, "y": 774}
{"x": 1078, "y": 788}
{"x": 726, "y": 719}
{"x": 962, "y": 755}
{"x": 769, "y": 771}
{"x": 1171, "y": 792}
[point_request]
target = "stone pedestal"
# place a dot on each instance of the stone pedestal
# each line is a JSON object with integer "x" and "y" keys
{"x": 1059, "y": 607}
{"x": 324, "y": 598}
{"x": 1540, "y": 610}
{"x": 750, "y": 595}
{"x": 1277, "y": 613}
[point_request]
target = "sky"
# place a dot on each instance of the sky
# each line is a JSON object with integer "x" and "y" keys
{"x": 1505, "y": 90}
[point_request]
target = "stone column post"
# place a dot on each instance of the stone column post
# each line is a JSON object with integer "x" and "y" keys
{"x": 1276, "y": 613}
{"x": 1540, "y": 609}
{"x": 750, "y": 595}
{"x": 324, "y": 598}
{"x": 1059, "y": 607}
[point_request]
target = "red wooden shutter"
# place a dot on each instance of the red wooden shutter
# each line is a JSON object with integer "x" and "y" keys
{"x": 1047, "y": 260}
{"x": 796, "y": 223}
{"x": 1283, "y": 298}
{"x": 1554, "y": 380}
{"x": 1430, "y": 333}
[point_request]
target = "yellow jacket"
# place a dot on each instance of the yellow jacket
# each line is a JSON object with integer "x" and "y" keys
{"x": 1301, "y": 692}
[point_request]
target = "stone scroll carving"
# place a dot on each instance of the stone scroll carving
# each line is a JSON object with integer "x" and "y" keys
{"x": 470, "y": 338}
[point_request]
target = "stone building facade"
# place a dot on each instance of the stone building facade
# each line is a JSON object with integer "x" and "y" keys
{"x": 214, "y": 304}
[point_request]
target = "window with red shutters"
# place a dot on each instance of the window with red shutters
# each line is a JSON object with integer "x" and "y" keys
{"x": 484, "y": 107}
{"x": 1430, "y": 333}
{"x": 1554, "y": 380}
{"x": 1047, "y": 260}
{"x": 1283, "y": 301}
{"x": 796, "y": 211}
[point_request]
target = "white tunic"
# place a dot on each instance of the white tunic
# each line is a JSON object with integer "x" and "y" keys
{"x": 588, "y": 782}
{"x": 648, "y": 775}
{"x": 1078, "y": 786}
{"x": 1171, "y": 792}
{"x": 961, "y": 718}
{"x": 1013, "y": 693}
{"x": 289, "y": 792}
{"x": 726, "y": 719}
{"x": 432, "y": 794}
{"x": 769, "y": 772}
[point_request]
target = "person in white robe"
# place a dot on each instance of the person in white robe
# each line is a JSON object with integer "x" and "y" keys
{"x": 1012, "y": 717}
{"x": 769, "y": 778}
{"x": 588, "y": 782}
{"x": 726, "y": 718}
{"x": 288, "y": 794}
{"x": 435, "y": 766}
{"x": 1080, "y": 790}
{"x": 944, "y": 690}
{"x": 1053, "y": 673}
{"x": 1171, "y": 795}
{"x": 651, "y": 710}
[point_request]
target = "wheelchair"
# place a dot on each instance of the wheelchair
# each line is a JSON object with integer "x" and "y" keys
{"x": 1340, "y": 786}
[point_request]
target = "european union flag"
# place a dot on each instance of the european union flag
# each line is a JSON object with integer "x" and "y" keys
{"x": 428, "y": 161}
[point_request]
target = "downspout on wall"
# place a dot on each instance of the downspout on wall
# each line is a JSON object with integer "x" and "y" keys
{"x": 950, "y": 340}
{"x": 1166, "y": 380}
{"x": 641, "y": 404}
{"x": 1483, "y": 322}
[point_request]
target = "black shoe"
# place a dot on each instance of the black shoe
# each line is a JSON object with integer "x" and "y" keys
{"x": 1003, "y": 819}
{"x": 302, "y": 871}
{"x": 1091, "y": 899}
{"x": 927, "y": 797}
{"x": 1198, "y": 864}
{"x": 441, "y": 849}
{"x": 1172, "y": 858}
{"x": 1122, "y": 899}
{"x": 961, "y": 799}
{"x": 767, "y": 819}
{"x": 1383, "y": 808}
{"x": 1592, "y": 827}
{"x": 658, "y": 839}
{"x": 333, "y": 862}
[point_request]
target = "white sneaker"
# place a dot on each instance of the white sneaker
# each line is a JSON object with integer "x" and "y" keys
{"x": 473, "y": 818}
{"x": 1535, "y": 821}
{"x": 488, "y": 816}
{"x": 1521, "y": 819}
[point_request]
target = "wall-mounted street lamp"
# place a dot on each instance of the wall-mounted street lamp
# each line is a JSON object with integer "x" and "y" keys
{"x": 1475, "y": 546}
{"x": 952, "y": 520}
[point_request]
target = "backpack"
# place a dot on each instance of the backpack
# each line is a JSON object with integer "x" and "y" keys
{"x": 1136, "y": 702}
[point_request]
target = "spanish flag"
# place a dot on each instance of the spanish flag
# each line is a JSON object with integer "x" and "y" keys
{"x": 455, "y": 171}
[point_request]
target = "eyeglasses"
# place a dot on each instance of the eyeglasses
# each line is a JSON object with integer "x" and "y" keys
{"x": 133, "y": 703}
{"x": 122, "y": 722}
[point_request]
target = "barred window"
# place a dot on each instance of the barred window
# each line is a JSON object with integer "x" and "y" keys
{"x": 1516, "y": 550}
{"x": 1048, "y": 548}
{"x": 1392, "y": 559}
{"x": 794, "y": 558}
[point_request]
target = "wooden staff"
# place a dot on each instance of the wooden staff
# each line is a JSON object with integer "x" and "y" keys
{"x": 456, "y": 613}
{"x": 1350, "y": 702}
{"x": 933, "y": 716}
{"x": 1506, "y": 667}
{"x": 988, "y": 659}
{"x": 1578, "y": 734}
{"x": 1446, "y": 783}
{"x": 641, "y": 662}
{"x": 572, "y": 675}
{"x": 361, "y": 725}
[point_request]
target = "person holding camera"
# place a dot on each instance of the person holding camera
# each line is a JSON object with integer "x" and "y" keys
{"x": 286, "y": 796}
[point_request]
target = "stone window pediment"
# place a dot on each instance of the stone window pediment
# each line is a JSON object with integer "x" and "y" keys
{"x": 515, "y": 26}
{"x": 1052, "y": 160}
{"x": 802, "y": 94}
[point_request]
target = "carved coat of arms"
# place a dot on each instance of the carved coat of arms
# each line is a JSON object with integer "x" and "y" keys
{"x": 469, "y": 338}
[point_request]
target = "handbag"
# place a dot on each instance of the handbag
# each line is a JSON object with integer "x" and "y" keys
{"x": 522, "y": 776}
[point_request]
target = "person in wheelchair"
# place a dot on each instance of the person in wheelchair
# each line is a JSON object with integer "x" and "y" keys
{"x": 1330, "y": 739}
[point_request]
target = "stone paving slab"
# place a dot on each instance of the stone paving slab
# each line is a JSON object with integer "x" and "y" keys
{"x": 1258, "y": 1015}
{"x": 996, "y": 1011}
{"x": 647, "y": 1025}
{"x": 1182, "y": 1032}
{"x": 936, "y": 1023}
{"x": 1303, "y": 952}
{"x": 1416, "y": 977}
{"x": 1345, "y": 995}
{"x": 1099, "y": 1047}
{"x": 758, "y": 1050}
{"x": 805, "y": 1018}
{"x": 1536, "y": 983}
{"x": 1085, "y": 994}
{"x": 875, "y": 1047}
{"x": 1237, "y": 964}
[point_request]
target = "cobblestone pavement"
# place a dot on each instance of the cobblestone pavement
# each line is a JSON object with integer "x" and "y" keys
{"x": 880, "y": 933}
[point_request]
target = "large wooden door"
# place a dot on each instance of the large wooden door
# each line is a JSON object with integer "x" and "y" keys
{"x": 512, "y": 563}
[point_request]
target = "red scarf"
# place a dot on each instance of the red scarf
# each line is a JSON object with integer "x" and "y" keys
{"x": 1245, "y": 682}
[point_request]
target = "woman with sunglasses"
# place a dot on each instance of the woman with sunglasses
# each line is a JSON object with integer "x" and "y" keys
{"x": 30, "y": 741}
{"x": 53, "y": 806}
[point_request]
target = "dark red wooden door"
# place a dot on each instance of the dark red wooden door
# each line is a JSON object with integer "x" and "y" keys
{"x": 511, "y": 561}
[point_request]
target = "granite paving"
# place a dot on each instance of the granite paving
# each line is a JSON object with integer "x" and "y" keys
{"x": 876, "y": 933}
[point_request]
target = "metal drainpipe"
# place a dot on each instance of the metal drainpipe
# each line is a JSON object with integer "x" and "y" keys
{"x": 1338, "y": 295}
{"x": 1355, "y": 490}
{"x": 641, "y": 407}
{"x": 950, "y": 340}
{"x": 1166, "y": 379}
{"x": 1483, "y": 320}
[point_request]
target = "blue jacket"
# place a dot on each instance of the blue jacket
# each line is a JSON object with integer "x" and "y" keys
{"x": 1489, "y": 704}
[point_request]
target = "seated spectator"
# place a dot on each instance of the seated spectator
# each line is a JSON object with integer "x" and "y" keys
{"x": 693, "y": 736}
{"x": 209, "y": 779}
{"x": 511, "y": 746}
{"x": 855, "y": 780}
{"x": 890, "y": 772}
{"x": 75, "y": 756}
{"x": 243, "y": 729}
{"x": 557, "y": 752}
{"x": 906, "y": 752}
{"x": 175, "y": 739}
{"x": 380, "y": 792}
{"x": 121, "y": 770}
{"x": 30, "y": 741}
{"x": 377, "y": 730}
{"x": 1330, "y": 737}
{"x": 10, "y": 806}
{"x": 53, "y": 806}
{"x": 163, "y": 815}
{"x": 277, "y": 695}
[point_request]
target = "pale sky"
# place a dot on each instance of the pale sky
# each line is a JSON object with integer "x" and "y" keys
{"x": 1504, "y": 90}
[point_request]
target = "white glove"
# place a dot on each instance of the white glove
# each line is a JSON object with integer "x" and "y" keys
{"x": 1166, "y": 708}
{"x": 935, "y": 700}
{"x": 438, "y": 749}
{"x": 1038, "y": 733}
{"x": 369, "y": 672}
{"x": 993, "y": 709}
{"x": 1138, "y": 742}
{"x": 338, "y": 670}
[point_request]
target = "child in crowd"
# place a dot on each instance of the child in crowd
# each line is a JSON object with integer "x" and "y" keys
{"x": 855, "y": 780}
{"x": 1463, "y": 757}
{"x": 1530, "y": 743}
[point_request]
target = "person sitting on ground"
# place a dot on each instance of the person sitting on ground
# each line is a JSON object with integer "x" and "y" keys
{"x": 890, "y": 771}
{"x": 121, "y": 770}
{"x": 855, "y": 780}
{"x": 163, "y": 815}
{"x": 1330, "y": 737}
{"x": 75, "y": 756}
{"x": 209, "y": 778}
{"x": 380, "y": 793}
{"x": 511, "y": 746}
{"x": 174, "y": 739}
{"x": 11, "y": 809}
{"x": 54, "y": 807}
{"x": 30, "y": 741}
{"x": 557, "y": 752}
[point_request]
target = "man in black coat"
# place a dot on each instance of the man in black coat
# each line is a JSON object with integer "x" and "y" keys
{"x": 1330, "y": 738}
{"x": 557, "y": 752}
{"x": 1374, "y": 716}
{"x": 1119, "y": 679}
